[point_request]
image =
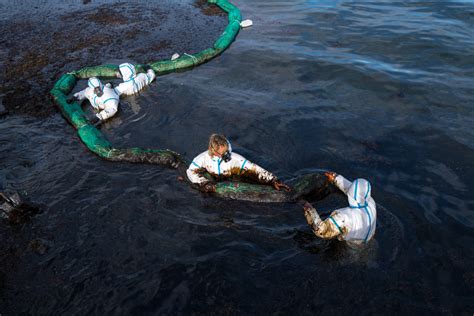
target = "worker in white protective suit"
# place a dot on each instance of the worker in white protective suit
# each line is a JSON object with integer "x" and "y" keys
{"x": 133, "y": 83}
{"x": 221, "y": 163}
{"x": 355, "y": 223}
{"x": 104, "y": 99}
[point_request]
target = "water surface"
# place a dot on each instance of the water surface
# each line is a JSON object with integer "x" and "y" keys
{"x": 380, "y": 90}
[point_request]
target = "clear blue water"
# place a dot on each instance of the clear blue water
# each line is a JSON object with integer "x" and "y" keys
{"x": 380, "y": 90}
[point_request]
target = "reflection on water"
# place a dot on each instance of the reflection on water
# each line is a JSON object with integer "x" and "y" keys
{"x": 375, "y": 90}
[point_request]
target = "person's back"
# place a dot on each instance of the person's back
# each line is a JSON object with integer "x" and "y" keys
{"x": 133, "y": 83}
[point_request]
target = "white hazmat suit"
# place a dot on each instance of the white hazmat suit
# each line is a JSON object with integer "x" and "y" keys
{"x": 133, "y": 83}
{"x": 217, "y": 167}
{"x": 355, "y": 223}
{"x": 106, "y": 104}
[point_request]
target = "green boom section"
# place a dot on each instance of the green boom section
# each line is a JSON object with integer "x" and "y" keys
{"x": 251, "y": 192}
{"x": 310, "y": 186}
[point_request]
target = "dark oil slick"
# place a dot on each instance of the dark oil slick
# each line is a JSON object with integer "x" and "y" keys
{"x": 379, "y": 90}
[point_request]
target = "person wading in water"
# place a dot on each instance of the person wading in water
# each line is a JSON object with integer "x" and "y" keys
{"x": 221, "y": 163}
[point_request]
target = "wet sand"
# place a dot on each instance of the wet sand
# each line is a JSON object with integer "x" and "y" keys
{"x": 39, "y": 44}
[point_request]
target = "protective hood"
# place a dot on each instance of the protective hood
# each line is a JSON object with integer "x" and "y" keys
{"x": 359, "y": 193}
{"x": 128, "y": 71}
{"x": 94, "y": 82}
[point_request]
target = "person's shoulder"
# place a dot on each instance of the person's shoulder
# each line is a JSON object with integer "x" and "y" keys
{"x": 237, "y": 156}
{"x": 239, "y": 159}
{"x": 344, "y": 215}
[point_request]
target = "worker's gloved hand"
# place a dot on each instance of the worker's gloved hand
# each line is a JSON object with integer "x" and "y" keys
{"x": 331, "y": 176}
{"x": 208, "y": 187}
{"x": 174, "y": 163}
{"x": 310, "y": 214}
{"x": 95, "y": 121}
{"x": 109, "y": 85}
{"x": 71, "y": 99}
{"x": 277, "y": 184}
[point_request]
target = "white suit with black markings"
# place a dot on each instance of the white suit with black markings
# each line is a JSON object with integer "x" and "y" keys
{"x": 355, "y": 223}
{"x": 106, "y": 104}
{"x": 237, "y": 165}
{"x": 133, "y": 83}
